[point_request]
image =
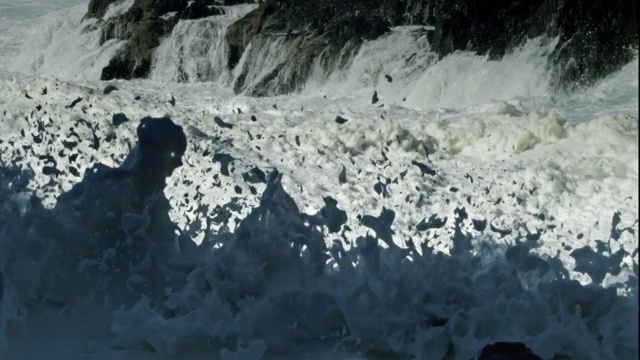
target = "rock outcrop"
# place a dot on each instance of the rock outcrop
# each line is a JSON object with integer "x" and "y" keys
{"x": 312, "y": 30}
{"x": 143, "y": 26}
{"x": 596, "y": 37}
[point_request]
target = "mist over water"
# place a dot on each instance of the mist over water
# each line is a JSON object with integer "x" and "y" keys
{"x": 460, "y": 201}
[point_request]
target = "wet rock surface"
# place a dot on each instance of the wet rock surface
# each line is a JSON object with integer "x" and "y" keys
{"x": 143, "y": 26}
{"x": 595, "y": 37}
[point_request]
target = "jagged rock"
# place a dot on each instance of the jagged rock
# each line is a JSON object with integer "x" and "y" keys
{"x": 142, "y": 27}
{"x": 596, "y": 37}
{"x": 97, "y": 8}
{"x": 311, "y": 28}
{"x": 242, "y": 31}
{"x": 283, "y": 78}
{"x": 142, "y": 33}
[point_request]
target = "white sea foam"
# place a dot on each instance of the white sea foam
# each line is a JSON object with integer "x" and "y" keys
{"x": 64, "y": 46}
{"x": 527, "y": 231}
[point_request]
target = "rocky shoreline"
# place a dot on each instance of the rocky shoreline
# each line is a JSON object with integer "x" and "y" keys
{"x": 596, "y": 38}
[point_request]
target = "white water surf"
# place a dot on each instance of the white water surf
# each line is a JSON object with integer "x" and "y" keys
{"x": 271, "y": 278}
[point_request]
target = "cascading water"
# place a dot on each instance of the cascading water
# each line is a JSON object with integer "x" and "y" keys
{"x": 196, "y": 50}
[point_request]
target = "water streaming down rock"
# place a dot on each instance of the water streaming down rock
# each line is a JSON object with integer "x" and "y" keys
{"x": 591, "y": 44}
{"x": 143, "y": 26}
{"x": 281, "y": 47}
{"x": 194, "y": 51}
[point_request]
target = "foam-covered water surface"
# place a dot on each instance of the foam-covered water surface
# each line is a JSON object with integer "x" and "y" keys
{"x": 420, "y": 211}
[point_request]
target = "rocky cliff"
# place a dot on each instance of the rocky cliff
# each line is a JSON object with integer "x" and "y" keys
{"x": 142, "y": 27}
{"x": 596, "y": 37}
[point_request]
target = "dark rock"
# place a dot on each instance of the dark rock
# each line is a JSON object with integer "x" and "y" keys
{"x": 374, "y": 99}
{"x": 242, "y": 31}
{"x": 253, "y": 118}
{"x": 315, "y": 29}
{"x": 596, "y": 37}
{"x": 389, "y": 78}
{"x": 98, "y": 8}
{"x": 141, "y": 28}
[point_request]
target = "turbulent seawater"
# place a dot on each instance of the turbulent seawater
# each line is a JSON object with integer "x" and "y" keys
{"x": 462, "y": 202}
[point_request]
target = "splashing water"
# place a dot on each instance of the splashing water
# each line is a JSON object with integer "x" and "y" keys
{"x": 467, "y": 205}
